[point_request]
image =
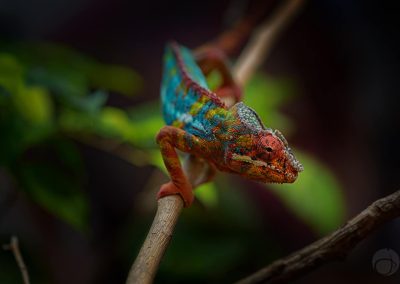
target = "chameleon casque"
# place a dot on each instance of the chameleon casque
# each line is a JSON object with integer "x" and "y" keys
{"x": 231, "y": 140}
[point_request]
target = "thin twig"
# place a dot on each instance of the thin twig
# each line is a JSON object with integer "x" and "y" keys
{"x": 13, "y": 246}
{"x": 335, "y": 246}
{"x": 263, "y": 40}
{"x": 146, "y": 264}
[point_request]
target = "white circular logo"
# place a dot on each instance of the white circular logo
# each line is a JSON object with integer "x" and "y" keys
{"x": 385, "y": 262}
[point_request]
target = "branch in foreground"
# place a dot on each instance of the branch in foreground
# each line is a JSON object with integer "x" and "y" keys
{"x": 13, "y": 246}
{"x": 332, "y": 247}
{"x": 145, "y": 266}
{"x": 169, "y": 208}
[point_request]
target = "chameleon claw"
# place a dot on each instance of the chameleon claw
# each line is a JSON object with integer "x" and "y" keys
{"x": 170, "y": 189}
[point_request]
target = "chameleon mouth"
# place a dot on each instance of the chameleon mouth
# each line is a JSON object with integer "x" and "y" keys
{"x": 258, "y": 163}
{"x": 289, "y": 176}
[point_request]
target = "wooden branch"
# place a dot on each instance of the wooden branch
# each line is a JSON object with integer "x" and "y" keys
{"x": 263, "y": 40}
{"x": 169, "y": 208}
{"x": 146, "y": 264}
{"x": 335, "y": 246}
{"x": 13, "y": 246}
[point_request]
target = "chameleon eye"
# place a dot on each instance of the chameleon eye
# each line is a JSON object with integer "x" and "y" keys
{"x": 267, "y": 154}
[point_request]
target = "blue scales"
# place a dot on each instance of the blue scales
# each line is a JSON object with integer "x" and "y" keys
{"x": 178, "y": 99}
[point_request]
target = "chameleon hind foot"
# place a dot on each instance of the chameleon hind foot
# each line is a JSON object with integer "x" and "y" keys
{"x": 170, "y": 189}
{"x": 209, "y": 59}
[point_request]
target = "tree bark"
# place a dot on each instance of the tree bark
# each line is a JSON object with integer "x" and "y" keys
{"x": 335, "y": 246}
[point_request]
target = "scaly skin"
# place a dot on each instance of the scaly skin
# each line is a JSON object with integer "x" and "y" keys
{"x": 231, "y": 140}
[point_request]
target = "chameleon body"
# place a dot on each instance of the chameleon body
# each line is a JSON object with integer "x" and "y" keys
{"x": 230, "y": 139}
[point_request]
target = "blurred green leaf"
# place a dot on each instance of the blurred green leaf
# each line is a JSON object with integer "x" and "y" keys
{"x": 64, "y": 84}
{"x": 157, "y": 160}
{"x": 34, "y": 115}
{"x": 235, "y": 203}
{"x": 116, "y": 122}
{"x": 91, "y": 103}
{"x": 57, "y": 192}
{"x": 267, "y": 93}
{"x": 64, "y": 62}
{"x": 115, "y": 78}
{"x": 315, "y": 196}
{"x": 34, "y": 104}
{"x": 11, "y": 73}
{"x": 138, "y": 126}
{"x": 214, "y": 80}
{"x": 47, "y": 90}
{"x": 12, "y": 136}
{"x": 25, "y": 119}
{"x": 53, "y": 180}
{"x": 207, "y": 194}
{"x": 146, "y": 117}
{"x": 266, "y": 96}
{"x": 110, "y": 122}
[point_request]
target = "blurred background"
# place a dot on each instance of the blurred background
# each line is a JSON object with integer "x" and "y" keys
{"x": 79, "y": 167}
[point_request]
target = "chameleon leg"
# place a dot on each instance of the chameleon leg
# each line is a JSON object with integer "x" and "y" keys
{"x": 210, "y": 59}
{"x": 168, "y": 139}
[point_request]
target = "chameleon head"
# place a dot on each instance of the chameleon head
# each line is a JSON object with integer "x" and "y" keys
{"x": 258, "y": 152}
{"x": 278, "y": 158}
{"x": 270, "y": 159}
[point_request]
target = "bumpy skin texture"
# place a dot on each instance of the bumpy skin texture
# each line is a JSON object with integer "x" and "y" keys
{"x": 231, "y": 140}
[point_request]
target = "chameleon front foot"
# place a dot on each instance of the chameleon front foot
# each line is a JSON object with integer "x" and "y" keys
{"x": 170, "y": 189}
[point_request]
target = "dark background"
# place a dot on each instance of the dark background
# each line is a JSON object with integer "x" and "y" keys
{"x": 345, "y": 54}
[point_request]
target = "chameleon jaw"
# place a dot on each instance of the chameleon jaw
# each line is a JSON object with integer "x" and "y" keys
{"x": 283, "y": 176}
{"x": 248, "y": 159}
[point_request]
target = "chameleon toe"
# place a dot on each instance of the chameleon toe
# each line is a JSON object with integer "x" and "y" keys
{"x": 171, "y": 189}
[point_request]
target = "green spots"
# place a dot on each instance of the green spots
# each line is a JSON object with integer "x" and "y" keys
{"x": 196, "y": 107}
{"x": 178, "y": 124}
